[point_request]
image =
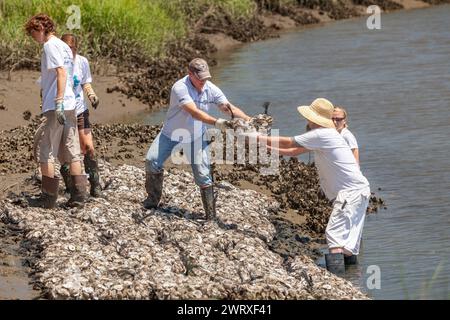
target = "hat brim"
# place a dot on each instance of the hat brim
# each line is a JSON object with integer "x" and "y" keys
{"x": 204, "y": 75}
{"x": 309, "y": 114}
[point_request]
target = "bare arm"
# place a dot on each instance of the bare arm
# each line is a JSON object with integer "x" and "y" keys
{"x": 291, "y": 152}
{"x": 281, "y": 142}
{"x": 238, "y": 113}
{"x": 198, "y": 114}
{"x": 61, "y": 78}
{"x": 356, "y": 154}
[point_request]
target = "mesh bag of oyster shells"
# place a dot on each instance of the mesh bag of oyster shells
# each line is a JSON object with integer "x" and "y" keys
{"x": 115, "y": 249}
{"x": 261, "y": 123}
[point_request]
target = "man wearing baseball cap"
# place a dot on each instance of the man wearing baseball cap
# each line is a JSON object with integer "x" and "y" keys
{"x": 340, "y": 179}
{"x": 191, "y": 98}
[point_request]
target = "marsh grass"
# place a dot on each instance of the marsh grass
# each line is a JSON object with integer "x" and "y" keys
{"x": 118, "y": 30}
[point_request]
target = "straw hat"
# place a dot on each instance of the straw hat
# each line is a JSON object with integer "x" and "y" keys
{"x": 320, "y": 112}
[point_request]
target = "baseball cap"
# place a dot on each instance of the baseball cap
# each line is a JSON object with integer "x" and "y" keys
{"x": 200, "y": 68}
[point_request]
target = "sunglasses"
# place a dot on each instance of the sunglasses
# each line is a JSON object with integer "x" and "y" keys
{"x": 337, "y": 119}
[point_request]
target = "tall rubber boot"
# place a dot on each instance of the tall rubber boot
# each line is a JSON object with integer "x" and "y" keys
{"x": 154, "y": 187}
{"x": 65, "y": 174}
{"x": 77, "y": 191}
{"x": 350, "y": 260}
{"x": 209, "y": 203}
{"x": 91, "y": 167}
{"x": 49, "y": 192}
{"x": 335, "y": 263}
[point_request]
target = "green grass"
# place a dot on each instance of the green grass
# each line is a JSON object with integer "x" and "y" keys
{"x": 109, "y": 28}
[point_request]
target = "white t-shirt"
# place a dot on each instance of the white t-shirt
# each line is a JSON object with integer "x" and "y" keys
{"x": 349, "y": 138}
{"x": 81, "y": 75}
{"x": 56, "y": 54}
{"x": 183, "y": 92}
{"x": 335, "y": 162}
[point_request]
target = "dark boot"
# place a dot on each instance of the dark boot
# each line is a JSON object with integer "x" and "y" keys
{"x": 209, "y": 203}
{"x": 77, "y": 191}
{"x": 49, "y": 192}
{"x": 350, "y": 260}
{"x": 154, "y": 187}
{"x": 91, "y": 167}
{"x": 335, "y": 263}
{"x": 65, "y": 174}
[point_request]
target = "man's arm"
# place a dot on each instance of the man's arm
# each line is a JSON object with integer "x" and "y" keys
{"x": 292, "y": 152}
{"x": 198, "y": 114}
{"x": 238, "y": 113}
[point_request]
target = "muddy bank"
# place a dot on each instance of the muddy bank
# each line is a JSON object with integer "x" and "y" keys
{"x": 14, "y": 267}
{"x": 19, "y": 99}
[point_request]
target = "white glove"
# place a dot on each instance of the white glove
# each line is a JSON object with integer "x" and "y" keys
{"x": 59, "y": 110}
{"x": 222, "y": 124}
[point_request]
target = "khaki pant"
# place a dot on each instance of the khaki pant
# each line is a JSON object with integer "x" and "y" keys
{"x": 56, "y": 141}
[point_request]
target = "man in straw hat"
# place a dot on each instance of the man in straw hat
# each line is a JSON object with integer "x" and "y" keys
{"x": 340, "y": 178}
{"x": 190, "y": 100}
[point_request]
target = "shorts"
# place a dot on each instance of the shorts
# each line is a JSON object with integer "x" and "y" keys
{"x": 58, "y": 141}
{"x": 83, "y": 120}
{"x": 344, "y": 229}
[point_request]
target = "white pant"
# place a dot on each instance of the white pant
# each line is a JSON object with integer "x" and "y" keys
{"x": 344, "y": 229}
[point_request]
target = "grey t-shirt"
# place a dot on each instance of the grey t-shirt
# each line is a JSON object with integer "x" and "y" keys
{"x": 179, "y": 125}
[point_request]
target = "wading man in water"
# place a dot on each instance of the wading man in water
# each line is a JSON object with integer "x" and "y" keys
{"x": 59, "y": 136}
{"x": 340, "y": 179}
{"x": 190, "y": 100}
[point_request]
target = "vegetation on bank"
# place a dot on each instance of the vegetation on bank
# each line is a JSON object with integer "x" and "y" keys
{"x": 114, "y": 30}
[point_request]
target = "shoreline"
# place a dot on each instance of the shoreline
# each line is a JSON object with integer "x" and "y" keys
{"x": 144, "y": 107}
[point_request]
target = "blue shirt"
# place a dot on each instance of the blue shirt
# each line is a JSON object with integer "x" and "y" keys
{"x": 179, "y": 125}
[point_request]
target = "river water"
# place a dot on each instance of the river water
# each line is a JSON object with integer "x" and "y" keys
{"x": 395, "y": 84}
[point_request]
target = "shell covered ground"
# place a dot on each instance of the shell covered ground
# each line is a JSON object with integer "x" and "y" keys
{"x": 114, "y": 248}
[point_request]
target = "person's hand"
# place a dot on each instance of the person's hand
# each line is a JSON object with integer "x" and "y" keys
{"x": 59, "y": 110}
{"x": 223, "y": 124}
{"x": 94, "y": 100}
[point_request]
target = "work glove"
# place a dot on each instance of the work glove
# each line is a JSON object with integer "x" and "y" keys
{"x": 59, "y": 109}
{"x": 94, "y": 100}
{"x": 223, "y": 124}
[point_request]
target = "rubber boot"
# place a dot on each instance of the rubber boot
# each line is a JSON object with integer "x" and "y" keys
{"x": 65, "y": 174}
{"x": 350, "y": 260}
{"x": 335, "y": 263}
{"x": 77, "y": 191}
{"x": 49, "y": 192}
{"x": 91, "y": 167}
{"x": 209, "y": 203}
{"x": 154, "y": 187}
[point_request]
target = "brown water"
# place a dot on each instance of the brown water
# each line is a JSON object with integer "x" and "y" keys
{"x": 395, "y": 83}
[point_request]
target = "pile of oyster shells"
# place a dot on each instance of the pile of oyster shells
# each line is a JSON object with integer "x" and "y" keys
{"x": 261, "y": 123}
{"x": 113, "y": 248}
